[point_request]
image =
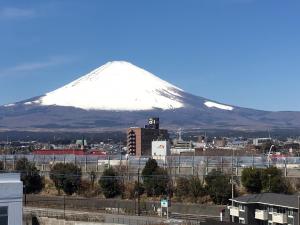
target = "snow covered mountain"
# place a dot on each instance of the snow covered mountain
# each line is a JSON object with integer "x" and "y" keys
{"x": 116, "y": 85}
{"x": 120, "y": 94}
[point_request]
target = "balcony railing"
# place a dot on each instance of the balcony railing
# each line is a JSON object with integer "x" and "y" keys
{"x": 280, "y": 218}
{"x": 234, "y": 211}
{"x": 261, "y": 214}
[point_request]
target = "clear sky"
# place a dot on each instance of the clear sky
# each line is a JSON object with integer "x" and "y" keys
{"x": 240, "y": 52}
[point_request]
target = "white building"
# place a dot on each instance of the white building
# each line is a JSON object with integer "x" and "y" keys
{"x": 11, "y": 195}
{"x": 261, "y": 141}
{"x": 160, "y": 148}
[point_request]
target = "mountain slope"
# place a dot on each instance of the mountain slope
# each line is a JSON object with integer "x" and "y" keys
{"x": 116, "y": 86}
{"x": 118, "y": 95}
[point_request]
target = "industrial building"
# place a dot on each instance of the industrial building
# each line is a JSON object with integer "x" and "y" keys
{"x": 139, "y": 140}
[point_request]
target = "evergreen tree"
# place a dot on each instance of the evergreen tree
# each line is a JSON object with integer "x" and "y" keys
{"x": 66, "y": 177}
{"x": 272, "y": 181}
{"x": 109, "y": 183}
{"x": 155, "y": 179}
{"x": 32, "y": 181}
{"x": 252, "y": 180}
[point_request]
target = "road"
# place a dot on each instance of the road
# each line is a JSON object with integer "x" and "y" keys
{"x": 118, "y": 206}
{"x": 108, "y": 218}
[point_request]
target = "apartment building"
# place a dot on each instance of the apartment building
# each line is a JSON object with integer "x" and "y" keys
{"x": 139, "y": 140}
{"x": 265, "y": 209}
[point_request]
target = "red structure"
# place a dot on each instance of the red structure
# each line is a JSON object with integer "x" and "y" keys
{"x": 67, "y": 152}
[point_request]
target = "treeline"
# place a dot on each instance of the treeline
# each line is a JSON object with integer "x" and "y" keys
{"x": 257, "y": 180}
{"x": 152, "y": 182}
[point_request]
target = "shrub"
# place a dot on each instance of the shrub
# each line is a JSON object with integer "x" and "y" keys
{"x": 182, "y": 187}
{"x": 132, "y": 189}
{"x": 218, "y": 187}
{"x": 1, "y": 166}
{"x": 196, "y": 188}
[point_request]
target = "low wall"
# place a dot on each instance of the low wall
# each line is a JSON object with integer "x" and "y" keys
{"x": 53, "y": 221}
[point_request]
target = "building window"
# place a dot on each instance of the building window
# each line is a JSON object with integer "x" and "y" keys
{"x": 242, "y": 220}
{"x": 270, "y": 209}
{"x": 281, "y": 210}
{"x": 242, "y": 208}
{"x": 3, "y": 215}
{"x": 290, "y": 213}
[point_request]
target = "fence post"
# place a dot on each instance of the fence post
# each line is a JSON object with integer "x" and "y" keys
{"x": 206, "y": 166}
{"x": 222, "y": 164}
{"x": 13, "y": 163}
{"x": 4, "y": 163}
{"x": 285, "y": 168}
{"x": 97, "y": 164}
{"x": 85, "y": 164}
{"x": 237, "y": 166}
{"x": 179, "y": 164}
{"x": 193, "y": 166}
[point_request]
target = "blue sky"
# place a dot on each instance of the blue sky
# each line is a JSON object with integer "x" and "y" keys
{"x": 240, "y": 52}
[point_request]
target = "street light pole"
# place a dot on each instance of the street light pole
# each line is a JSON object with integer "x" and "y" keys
{"x": 232, "y": 186}
{"x": 269, "y": 154}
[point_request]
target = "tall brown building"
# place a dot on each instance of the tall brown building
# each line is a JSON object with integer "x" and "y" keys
{"x": 139, "y": 140}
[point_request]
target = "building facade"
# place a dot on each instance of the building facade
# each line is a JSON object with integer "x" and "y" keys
{"x": 265, "y": 209}
{"x": 11, "y": 196}
{"x": 139, "y": 140}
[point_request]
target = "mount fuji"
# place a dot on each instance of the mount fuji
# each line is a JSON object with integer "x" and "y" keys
{"x": 119, "y": 94}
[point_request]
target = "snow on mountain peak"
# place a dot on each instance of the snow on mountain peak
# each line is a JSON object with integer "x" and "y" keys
{"x": 116, "y": 85}
{"x": 218, "y": 106}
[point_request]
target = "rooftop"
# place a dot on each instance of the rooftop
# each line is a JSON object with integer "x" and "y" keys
{"x": 289, "y": 201}
{"x": 9, "y": 177}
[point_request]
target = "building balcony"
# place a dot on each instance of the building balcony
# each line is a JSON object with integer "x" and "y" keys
{"x": 280, "y": 218}
{"x": 234, "y": 211}
{"x": 261, "y": 214}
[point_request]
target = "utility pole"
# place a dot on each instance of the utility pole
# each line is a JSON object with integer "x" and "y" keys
{"x": 232, "y": 186}
{"x": 138, "y": 191}
{"x": 298, "y": 210}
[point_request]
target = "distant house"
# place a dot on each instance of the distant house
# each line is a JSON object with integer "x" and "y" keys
{"x": 265, "y": 209}
{"x": 261, "y": 141}
{"x": 11, "y": 195}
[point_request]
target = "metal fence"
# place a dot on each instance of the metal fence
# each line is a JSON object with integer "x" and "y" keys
{"x": 176, "y": 165}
